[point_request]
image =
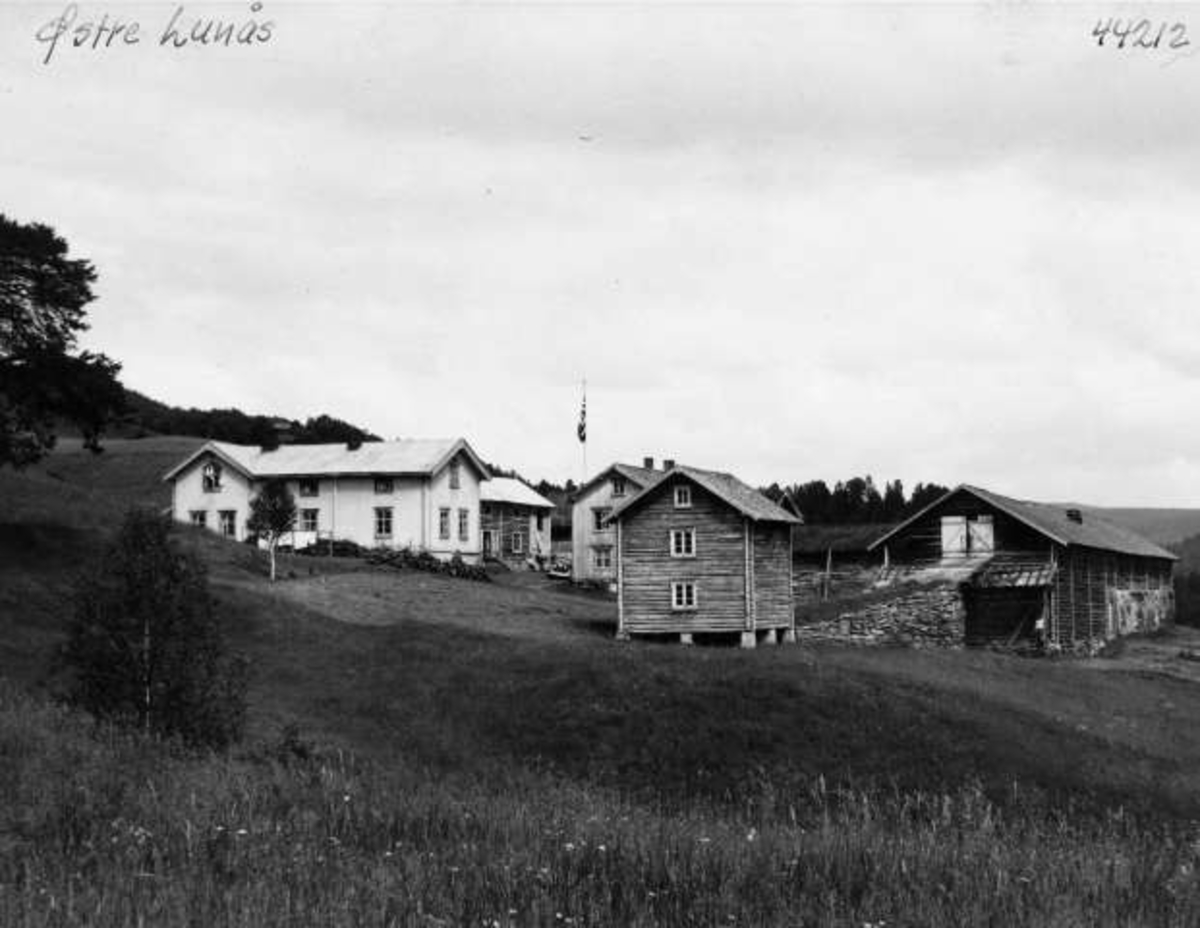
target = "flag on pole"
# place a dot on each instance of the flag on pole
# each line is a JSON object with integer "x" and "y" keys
{"x": 581, "y": 429}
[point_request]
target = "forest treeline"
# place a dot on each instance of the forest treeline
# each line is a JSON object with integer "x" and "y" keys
{"x": 144, "y": 416}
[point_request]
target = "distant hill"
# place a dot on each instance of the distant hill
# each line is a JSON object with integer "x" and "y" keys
{"x": 1165, "y": 526}
{"x": 146, "y": 417}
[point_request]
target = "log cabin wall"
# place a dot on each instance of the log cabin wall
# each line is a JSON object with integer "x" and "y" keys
{"x": 1099, "y": 595}
{"x": 772, "y": 575}
{"x": 515, "y": 536}
{"x": 718, "y": 568}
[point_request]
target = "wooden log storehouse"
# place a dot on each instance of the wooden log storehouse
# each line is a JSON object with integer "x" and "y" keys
{"x": 1025, "y": 570}
{"x": 698, "y": 551}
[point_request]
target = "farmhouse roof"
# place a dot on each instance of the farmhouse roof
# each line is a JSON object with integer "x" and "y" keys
{"x": 511, "y": 490}
{"x": 638, "y": 476}
{"x": 745, "y": 499}
{"x": 415, "y": 456}
{"x": 1053, "y": 521}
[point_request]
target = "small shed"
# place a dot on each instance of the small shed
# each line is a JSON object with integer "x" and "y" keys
{"x": 698, "y": 551}
{"x": 1060, "y": 573}
{"x": 515, "y": 523}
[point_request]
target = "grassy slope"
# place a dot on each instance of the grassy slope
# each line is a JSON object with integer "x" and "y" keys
{"x": 506, "y": 737}
{"x": 461, "y": 676}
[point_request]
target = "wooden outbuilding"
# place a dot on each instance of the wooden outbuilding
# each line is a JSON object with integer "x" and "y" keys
{"x": 1057, "y": 573}
{"x": 698, "y": 551}
{"x": 515, "y": 523}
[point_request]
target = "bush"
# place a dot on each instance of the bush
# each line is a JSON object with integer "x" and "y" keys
{"x": 144, "y": 644}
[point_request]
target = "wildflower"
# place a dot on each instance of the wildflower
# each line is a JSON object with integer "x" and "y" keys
{"x": 601, "y": 848}
{"x": 569, "y": 846}
{"x": 241, "y": 832}
{"x": 752, "y": 834}
{"x": 704, "y": 839}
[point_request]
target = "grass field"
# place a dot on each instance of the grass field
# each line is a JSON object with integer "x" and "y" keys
{"x": 487, "y": 754}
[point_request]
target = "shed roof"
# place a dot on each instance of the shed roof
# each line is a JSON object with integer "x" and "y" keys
{"x": 1051, "y": 520}
{"x": 745, "y": 499}
{"x": 417, "y": 456}
{"x": 511, "y": 490}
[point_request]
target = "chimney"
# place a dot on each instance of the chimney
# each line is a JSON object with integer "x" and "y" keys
{"x": 648, "y": 463}
{"x": 668, "y": 463}
{"x": 1075, "y": 516}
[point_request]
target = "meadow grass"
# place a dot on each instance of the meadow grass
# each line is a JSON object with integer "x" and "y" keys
{"x": 489, "y": 756}
{"x": 105, "y": 827}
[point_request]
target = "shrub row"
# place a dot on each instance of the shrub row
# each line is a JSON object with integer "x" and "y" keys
{"x": 423, "y": 560}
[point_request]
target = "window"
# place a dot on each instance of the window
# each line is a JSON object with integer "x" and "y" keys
{"x": 618, "y": 486}
{"x": 199, "y": 517}
{"x": 455, "y": 476}
{"x": 516, "y": 543}
{"x": 683, "y": 496}
{"x": 228, "y": 522}
{"x": 683, "y": 542}
{"x": 383, "y": 521}
{"x": 602, "y": 558}
{"x": 598, "y": 517}
{"x": 683, "y": 595}
{"x": 308, "y": 519}
{"x": 444, "y": 522}
{"x": 310, "y": 486}
{"x": 211, "y": 475}
{"x": 464, "y": 524}
{"x": 541, "y": 522}
{"x": 384, "y": 485}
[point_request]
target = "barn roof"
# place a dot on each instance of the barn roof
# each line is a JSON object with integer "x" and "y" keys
{"x": 745, "y": 499}
{"x": 1051, "y": 520}
{"x": 511, "y": 490}
{"x": 416, "y": 456}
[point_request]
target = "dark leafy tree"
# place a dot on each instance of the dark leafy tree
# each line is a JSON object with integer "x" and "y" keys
{"x": 145, "y": 644}
{"x": 43, "y": 378}
{"x": 272, "y": 515}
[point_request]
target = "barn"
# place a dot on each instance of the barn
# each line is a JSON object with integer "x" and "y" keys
{"x": 697, "y": 552}
{"x": 1024, "y": 571}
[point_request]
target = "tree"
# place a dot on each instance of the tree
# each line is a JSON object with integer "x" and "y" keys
{"x": 144, "y": 642}
{"x": 272, "y": 515}
{"x": 42, "y": 379}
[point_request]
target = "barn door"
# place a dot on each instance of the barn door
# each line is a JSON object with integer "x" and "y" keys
{"x": 954, "y": 536}
{"x": 981, "y": 535}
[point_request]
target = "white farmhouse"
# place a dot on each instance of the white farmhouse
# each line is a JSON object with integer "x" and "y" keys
{"x": 592, "y": 539}
{"x": 421, "y": 493}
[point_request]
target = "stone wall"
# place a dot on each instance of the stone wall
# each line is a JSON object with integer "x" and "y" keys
{"x": 918, "y": 615}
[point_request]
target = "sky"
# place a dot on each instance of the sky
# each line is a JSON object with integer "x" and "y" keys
{"x": 933, "y": 242}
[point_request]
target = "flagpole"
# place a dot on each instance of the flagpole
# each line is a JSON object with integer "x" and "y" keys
{"x": 583, "y": 439}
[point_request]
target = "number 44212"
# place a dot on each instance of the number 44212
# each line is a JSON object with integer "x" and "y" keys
{"x": 1141, "y": 34}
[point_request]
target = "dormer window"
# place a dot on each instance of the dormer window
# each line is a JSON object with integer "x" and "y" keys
{"x": 211, "y": 476}
{"x": 455, "y": 476}
{"x": 618, "y": 486}
{"x": 683, "y": 496}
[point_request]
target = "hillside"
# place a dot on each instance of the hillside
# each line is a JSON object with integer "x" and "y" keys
{"x": 1165, "y": 526}
{"x": 499, "y": 724}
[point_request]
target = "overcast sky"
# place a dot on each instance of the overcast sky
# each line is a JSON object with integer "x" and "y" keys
{"x": 934, "y": 242}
